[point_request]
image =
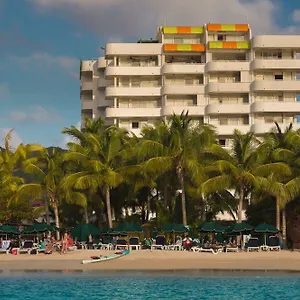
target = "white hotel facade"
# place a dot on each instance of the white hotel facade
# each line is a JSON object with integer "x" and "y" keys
{"x": 219, "y": 73}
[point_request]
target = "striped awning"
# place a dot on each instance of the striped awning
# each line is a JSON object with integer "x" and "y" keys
{"x": 229, "y": 45}
{"x": 228, "y": 27}
{"x": 184, "y": 48}
{"x": 183, "y": 30}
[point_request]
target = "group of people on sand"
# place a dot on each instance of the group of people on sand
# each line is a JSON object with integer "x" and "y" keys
{"x": 50, "y": 244}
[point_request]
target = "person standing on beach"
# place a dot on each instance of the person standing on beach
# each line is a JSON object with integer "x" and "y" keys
{"x": 64, "y": 242}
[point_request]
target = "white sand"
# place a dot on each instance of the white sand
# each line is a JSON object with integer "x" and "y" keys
{"x": 155, "y": 260}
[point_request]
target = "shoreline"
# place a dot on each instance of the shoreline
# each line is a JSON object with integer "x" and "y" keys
{"x": 156, "y": 261}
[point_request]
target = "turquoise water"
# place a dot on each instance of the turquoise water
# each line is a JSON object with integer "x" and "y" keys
{"x": 147, "y": 286}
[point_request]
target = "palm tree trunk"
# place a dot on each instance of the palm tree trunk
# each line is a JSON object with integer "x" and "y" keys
{"x": 148, "y": 207}
{"x": 284, "y": 228}
{"x": 183, "y": 200}
{"x": 107, "y": 198}
{"x": 55, "y": 208}
{"x": 86, "y": 216}
{"x": 166, "y": 196}
{"x": 277, "y": 213}
{"x": 47, "y": 212}
{"x": 240, "y": 208}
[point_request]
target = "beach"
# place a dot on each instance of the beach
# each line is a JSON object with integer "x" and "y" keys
{"x": 157, "y": 260}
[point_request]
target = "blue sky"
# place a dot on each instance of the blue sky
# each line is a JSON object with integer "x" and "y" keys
{"x": 42, "y": 42}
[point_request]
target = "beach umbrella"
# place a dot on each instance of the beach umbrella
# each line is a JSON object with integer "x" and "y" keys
{"x": 39, "y": 228}
{"x": 211, "y": 227}
{"x": 128, "y": 228}
{"x": 264, "y": 229}
{"x": 9, "y": 229}
{"x": 239, "y": 228}
{"x": 83, "y": 231}
{"x": 178, "y": 228}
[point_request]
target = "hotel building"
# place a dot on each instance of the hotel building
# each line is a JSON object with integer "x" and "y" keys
{"x": 218, "y": 72}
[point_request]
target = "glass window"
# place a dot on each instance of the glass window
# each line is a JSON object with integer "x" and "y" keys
{"x": 135, "y": 125}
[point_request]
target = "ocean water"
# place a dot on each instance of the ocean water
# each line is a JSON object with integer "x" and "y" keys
{"x": 123, "y": 286}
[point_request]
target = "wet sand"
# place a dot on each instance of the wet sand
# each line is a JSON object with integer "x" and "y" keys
{"x": 158, "y": 260}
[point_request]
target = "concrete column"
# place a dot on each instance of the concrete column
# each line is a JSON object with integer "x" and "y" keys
{"x": 115, "y": 102}
{"x": 115, "y": 81}
{"x": 115, "y": 61}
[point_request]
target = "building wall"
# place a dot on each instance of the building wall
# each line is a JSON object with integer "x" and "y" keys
{"x": 217, "y": 72}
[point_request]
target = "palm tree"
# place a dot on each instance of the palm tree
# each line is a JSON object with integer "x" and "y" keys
{"x": 280, "y": 146}
{"x": 241, "y": 169}
{"x": 175, "y": 146}
{"x": 49, "y": 169}
{"x": 100, "y": 159}
{"x": 10, "y": 166}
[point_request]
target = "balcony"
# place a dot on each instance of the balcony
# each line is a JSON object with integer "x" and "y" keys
{"x": 229, "y": 45}
{"x": 227, "y": 87}
{"x": 87, "y": 85}
{"x": 276, "y": 42}
{"x": 275, "y": 85}
{"x": 132, "y": 91}
{"x": 183, "y": 89}
{"x": 87, "y": 104}
{"x": 132, "y": 71}
{"x": 262, "y": 128}
{"x": 130, "y": 49}
{"x": 111, "y": 112}
{"x": 103, "y": 83}
{"x": 281, "y": 64}
{"x": 101, "y": 63}
{"x": 184, "y": 48}
{"x": 214, "y": 66}
{"x": 177, "y": 68}
{"x": 216, "y": 108}
{"x": 276, "y": 106}
{"x": 195, "y": 110}
{"x": 227, "y": 130}
{"x": 87, "y": 65}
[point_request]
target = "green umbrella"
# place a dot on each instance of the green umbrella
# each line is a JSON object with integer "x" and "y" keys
{"x": 39, "y": 228}
{"x": 265, "y": 228}
{"x": 128, "y": 228}
{"x": 239, "y": 228}
{"x": 9, "y": 229}
{"x": 173, "y": 228}
{"x": 211, "y": 227}
{"x": 83, "y": 231}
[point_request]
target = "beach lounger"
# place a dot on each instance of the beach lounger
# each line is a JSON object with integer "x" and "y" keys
{"x": 5, "y": 247}
{"x": 121, "y": 245}
{"x": 27, "y": 247}
{"x": 253, "y": 244}
{"x": 274, "y": 243}
{"x": 232, "y": 249}
{"x": 160, "y": 243}
{"x": 209, "y": 250}
{"x": 134, "y": 243}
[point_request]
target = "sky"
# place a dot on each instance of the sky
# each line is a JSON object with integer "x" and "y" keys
{"x": 43, "y": 41}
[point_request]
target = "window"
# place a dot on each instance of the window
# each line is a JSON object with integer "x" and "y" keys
{"x": 135, "y": 125}
{"x": 222, "y": 142}
{"x": 178, "y": 41}
{"x": 278, "y": 76}
{"x": 280, "y": 98}
{"x": 221, "y": 37}
{"x": 298, "y": 97}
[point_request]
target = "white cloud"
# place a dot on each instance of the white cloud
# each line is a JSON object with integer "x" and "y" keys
{"x": 47, "y": 61}
{"x": 296, "y": 16}
{"x": 4, "y": 91}
{"x": 15, "y": 140}
{"x": 67, "y": 138}
{"x": 36, "y": 114}
{"x": 140, "y": 17}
